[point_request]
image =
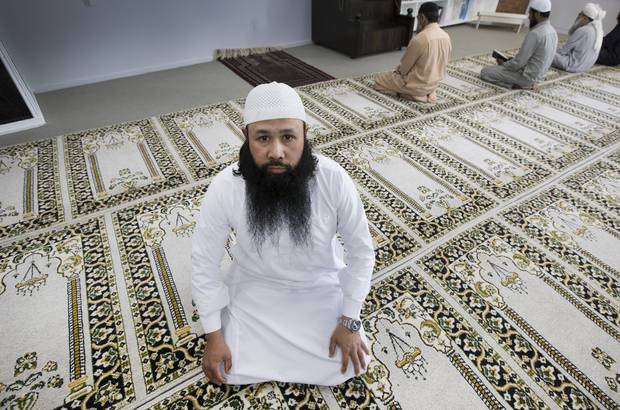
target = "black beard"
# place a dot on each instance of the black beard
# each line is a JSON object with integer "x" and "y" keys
{"x": 277, "y": 200}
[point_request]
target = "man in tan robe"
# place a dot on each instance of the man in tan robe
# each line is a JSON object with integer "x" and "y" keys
{"x": 424, "y": 63}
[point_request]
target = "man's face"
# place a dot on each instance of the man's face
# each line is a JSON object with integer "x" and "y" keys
{"x": 422, "y": 21}
{"x": 276, "y": 144}
{"x": 532, "y": 17}
{"x": 581, "y": 20}
{"x": 277, "y": 165}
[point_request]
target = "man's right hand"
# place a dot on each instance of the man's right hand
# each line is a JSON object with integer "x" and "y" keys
{"x": 216, "y": 352}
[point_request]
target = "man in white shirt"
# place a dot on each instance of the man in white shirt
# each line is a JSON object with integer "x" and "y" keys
{"x": 288, "y": 303}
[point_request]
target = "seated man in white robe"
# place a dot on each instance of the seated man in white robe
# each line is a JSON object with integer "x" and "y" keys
{"x": 586, "y": 37}
{"x": 288, "y": 309}
{"x": 535, "y": 56}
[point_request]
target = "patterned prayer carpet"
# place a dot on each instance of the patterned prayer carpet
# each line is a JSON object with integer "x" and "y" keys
{"x": 277, "y": 66}
{"x": 495, "y": 216}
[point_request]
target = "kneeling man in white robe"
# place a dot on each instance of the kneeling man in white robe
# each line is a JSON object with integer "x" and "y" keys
{"x": 288, "y": 308}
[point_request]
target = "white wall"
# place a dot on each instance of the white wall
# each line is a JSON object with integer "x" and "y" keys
{"x": 564, "y": 12}
{"x": 61, "y": 43}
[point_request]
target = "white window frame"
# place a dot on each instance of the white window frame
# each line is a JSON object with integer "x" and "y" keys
{"x": 37, "y": 119}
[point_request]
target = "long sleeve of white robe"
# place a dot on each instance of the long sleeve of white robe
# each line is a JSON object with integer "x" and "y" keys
{"x": 353, "y": 227}
{"x": 208, "y": 246}
{"x": 336, "y": 208}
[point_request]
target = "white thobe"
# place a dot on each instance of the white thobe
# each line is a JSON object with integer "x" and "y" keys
{"x": 278, "y": 305}
{"x": 536, "y": 53}
{"x": 578, "y": 54}
{"x": 531, "y": 62}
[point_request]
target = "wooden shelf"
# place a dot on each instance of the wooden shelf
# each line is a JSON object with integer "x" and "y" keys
{"x": 452, "y": 8}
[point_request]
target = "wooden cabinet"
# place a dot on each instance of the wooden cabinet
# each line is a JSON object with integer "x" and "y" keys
{"x": 360, "y": 27}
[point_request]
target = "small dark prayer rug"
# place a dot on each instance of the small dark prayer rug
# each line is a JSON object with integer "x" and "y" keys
{"x": 277, "y": 66}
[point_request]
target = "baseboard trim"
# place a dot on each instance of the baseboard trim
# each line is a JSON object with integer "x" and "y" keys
{"x": 144, "y": 70}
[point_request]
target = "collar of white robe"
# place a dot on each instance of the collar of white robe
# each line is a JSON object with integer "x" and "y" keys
{"x": 273, "y": 101}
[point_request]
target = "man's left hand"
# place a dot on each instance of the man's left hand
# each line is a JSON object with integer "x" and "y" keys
{"x": 352, "y": 347}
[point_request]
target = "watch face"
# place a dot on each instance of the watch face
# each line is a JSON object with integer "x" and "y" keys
{"x": 356, "y": 325}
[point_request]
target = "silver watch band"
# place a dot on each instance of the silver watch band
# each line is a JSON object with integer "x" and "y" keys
{"x": 352, "y": 325}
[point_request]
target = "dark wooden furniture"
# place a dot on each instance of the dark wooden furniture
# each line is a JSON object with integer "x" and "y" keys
{"x": 360, "y": 27}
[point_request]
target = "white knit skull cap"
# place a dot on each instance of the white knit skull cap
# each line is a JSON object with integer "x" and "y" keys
{"x": 273, "y": 101}
{"x": 593, "y": 11}
{"x": 542, "y": 6}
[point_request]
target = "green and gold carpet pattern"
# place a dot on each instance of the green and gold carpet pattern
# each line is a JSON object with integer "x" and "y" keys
{"x": 495, "y": 216}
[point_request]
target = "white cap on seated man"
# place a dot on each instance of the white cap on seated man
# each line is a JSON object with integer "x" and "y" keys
{"x": 542, "y": 6}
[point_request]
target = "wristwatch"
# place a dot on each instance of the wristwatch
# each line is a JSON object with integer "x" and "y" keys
{"x": 353, "y": 325}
